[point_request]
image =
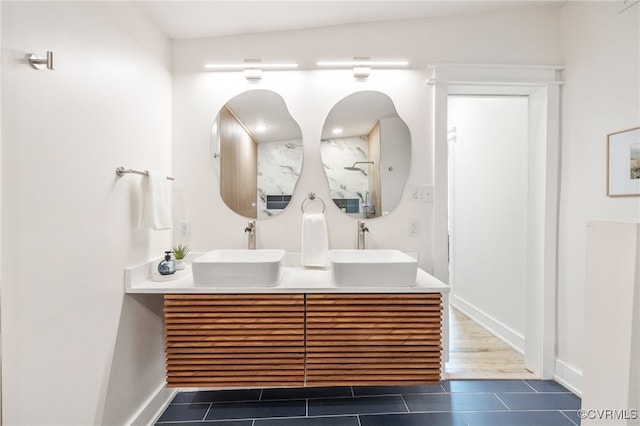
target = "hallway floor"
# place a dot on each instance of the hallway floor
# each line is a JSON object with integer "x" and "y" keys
{"x": 453, "y": 402}
{"x": 475, "y": 353}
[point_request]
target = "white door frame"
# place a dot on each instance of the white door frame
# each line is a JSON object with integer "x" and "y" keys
{"x": 542, "y": 85}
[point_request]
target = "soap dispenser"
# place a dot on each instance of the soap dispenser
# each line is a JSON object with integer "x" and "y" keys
{"x": 168, "y": 265}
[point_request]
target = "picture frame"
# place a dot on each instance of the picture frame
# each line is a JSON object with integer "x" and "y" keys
{"x": 623, "y": 163}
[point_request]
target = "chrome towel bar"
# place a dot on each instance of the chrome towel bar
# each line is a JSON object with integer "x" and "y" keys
{"x": 120, "y": 171}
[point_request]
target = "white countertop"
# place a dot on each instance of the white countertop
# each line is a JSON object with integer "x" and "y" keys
{"x": 296, "y": 279}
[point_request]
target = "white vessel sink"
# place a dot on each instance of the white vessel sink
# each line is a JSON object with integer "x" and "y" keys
{"x": 373, "y": 268}
{"x": 239, "y": 268}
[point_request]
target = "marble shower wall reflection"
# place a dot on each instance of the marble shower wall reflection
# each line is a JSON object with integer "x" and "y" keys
{"x": 349, "y": 189}
{"x": 279, "y": 167}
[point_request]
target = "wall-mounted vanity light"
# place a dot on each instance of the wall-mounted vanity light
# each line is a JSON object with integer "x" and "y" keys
{"x": 252, "y": 68}
{"x": 362, "y": 66}
{"x": 40, "y": 63}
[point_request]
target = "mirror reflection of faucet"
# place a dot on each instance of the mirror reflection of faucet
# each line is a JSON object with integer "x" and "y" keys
{"x": 362, "y": 228}
{"x": 251, "y": 229}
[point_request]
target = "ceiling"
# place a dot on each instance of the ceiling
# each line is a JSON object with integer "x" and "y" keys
{"x": 213, "y": 18}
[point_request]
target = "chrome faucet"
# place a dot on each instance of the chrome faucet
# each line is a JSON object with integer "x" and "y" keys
{"x": 362, "y": 228}
{"x": 251, "y": 229}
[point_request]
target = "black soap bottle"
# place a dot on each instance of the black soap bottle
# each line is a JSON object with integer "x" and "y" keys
{"x": 168, "y": 265}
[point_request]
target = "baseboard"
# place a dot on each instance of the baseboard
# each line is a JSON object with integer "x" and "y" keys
{"x": 153, "y": 407}
{"x": 568, "y": 377}
{"x": 501, "y": 331}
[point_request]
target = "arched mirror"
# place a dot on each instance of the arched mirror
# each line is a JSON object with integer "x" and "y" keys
{"x": 256, "y": 147}
{"x": 366, "y": 154}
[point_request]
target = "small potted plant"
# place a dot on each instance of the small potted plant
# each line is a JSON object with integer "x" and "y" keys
{"x": 179, "y": 253}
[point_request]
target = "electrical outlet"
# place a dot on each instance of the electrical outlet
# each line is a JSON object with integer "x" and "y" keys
{"x": 185, "y": 228}
{"x": 414, "y": 228}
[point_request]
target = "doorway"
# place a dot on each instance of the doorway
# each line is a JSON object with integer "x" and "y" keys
{"x": 541, "y": 86}
{"x": 488, "y": 178}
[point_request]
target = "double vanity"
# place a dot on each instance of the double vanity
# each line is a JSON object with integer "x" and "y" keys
{"x": 257, "y": 318}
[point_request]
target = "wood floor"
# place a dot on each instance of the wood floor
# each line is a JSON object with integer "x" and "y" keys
{"x": 474, "y": 353}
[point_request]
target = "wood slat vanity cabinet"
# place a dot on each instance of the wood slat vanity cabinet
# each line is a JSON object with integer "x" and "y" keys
{"x": 227, "y": 340}
{"x": 373, "y": 339}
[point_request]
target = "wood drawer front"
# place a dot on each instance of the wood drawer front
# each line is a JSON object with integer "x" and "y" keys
{"x": 217, "y": 340}
{"x": 373, "y": 339}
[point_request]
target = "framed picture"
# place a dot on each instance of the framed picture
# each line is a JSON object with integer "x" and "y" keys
{"x": 623, "y": 163}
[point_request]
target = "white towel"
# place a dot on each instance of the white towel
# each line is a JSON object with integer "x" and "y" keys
{"x": 155, "y": 212}
{"x": 315, "y": 240}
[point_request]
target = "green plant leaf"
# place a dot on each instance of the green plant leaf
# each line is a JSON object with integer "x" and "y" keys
{"x": 180, "y": 251}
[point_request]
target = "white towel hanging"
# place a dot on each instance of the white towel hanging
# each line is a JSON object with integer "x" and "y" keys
{"x": 315, "y": 240}
{"x": 155, "y": 212}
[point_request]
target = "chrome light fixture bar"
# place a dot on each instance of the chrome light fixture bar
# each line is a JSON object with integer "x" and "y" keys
{"x": 362, "y": 66}
{"x": 361, "y": 63}
{"x": 252, "y": 68}
{"x": 246, "y": 65}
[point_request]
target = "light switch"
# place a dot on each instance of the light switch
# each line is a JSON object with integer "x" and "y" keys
{"x": 422, "y": 194}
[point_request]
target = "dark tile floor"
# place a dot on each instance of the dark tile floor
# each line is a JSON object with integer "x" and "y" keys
{"x": 453, "y": 402}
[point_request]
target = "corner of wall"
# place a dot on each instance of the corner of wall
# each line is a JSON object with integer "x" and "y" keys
{"x": 568, "y": 376}
{"x": 153, "y": 407}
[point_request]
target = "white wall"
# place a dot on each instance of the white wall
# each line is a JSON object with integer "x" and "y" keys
{"x": 76, "y": 350}
{"x": 601, "y": 95}
{"x": 488, "y": 179}
{"x": 504, "y": 37}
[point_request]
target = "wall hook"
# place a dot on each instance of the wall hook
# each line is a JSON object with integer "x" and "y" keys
{"x": 40, "y": 63}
